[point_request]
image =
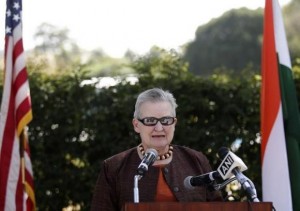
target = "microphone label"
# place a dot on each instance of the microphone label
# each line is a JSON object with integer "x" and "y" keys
{"x": 230, "y": 162}
{"x": 227, "y": 163}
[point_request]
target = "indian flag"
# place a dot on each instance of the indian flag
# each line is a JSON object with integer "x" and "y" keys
{"x": 280, "y": 122}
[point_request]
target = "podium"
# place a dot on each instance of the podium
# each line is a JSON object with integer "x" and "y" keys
{"x": 198, "y": 206}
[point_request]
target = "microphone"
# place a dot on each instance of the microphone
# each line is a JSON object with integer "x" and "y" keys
{"x": 190, "y": 182}
{"x": 149, "y": 158}
{"x": 229, "y": 163}
{"x": 233, "y": 165}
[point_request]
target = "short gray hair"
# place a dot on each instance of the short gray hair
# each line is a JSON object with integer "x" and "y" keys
{"x": 154, "y": 95}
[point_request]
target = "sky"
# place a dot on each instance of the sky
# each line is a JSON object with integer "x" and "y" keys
{"x": 116, "y": 26}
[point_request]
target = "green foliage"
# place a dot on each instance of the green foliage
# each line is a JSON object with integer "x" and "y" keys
{"x": 232, "y": 41}
{"x": 160, "y": 64}
{"x": 101, "y": 65}
{"x": 55, "y": 45}
{"x": 292, "y": 26}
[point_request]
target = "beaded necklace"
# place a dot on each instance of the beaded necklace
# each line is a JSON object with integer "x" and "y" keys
{"x": 159, "y": 157}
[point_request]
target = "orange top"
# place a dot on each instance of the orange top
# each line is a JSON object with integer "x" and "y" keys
{"x": 163, "y": 191}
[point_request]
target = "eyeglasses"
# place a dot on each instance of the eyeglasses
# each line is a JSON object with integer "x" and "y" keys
{"x": 152, "y": 121}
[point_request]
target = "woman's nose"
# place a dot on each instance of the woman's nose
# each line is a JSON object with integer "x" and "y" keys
{"x": 158, "y": 126}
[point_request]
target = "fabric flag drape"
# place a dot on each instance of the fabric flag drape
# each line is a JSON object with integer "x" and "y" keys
{"x": 280, "y": 122}
{"x": 16, "y": 177}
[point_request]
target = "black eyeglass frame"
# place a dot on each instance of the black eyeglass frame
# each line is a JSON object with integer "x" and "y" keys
{"x": 158, "y": 120}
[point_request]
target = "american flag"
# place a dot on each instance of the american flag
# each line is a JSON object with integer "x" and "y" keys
{"x": 16, "y": 177}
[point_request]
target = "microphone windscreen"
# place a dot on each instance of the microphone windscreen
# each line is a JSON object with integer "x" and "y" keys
{"x": 152, "y": 151}
{"x": 187, "y": 183}
{"x": 223, "y": 151}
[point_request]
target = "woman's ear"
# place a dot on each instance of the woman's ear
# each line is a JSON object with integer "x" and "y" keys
{"x": 135, "y": 124}
{"x": 176, "y": 121}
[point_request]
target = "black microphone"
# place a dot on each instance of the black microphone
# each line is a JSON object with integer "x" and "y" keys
{"x": 191, "y": 182}
{"x": 149, "y": 158}
{"x": 233, "y": 165}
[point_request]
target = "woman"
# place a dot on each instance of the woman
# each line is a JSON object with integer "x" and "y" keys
{"x": 154, "y": 120}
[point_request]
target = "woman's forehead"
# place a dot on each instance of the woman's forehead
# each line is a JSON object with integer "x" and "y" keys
{"x": 163, "y": 107}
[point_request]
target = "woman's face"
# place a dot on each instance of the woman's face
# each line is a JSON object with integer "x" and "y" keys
{"x": 158, "y": 136}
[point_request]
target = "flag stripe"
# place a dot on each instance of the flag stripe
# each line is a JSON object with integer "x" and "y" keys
{"x": 270, "y": 84}
{"x": 22, "y": 110}
{"x": 292, "y": 131}
{"x": 22, "y": 93}
{"x": 19, "y": 60}
{"x": 6, "y": 151}
{"x": 281, "y": 42}
{"x": 17, "y": 32}
{"x": 21, "y": 79}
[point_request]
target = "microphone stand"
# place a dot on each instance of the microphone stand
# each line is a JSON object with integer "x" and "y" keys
{"x": 222, "y": 185}
{"x": 246, "y": 183}
{"x": 149, "y": 158}
{"x": 136, "y": 188}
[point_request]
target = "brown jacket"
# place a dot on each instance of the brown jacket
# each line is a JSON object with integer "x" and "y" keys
{"x": 115, "y": 183}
